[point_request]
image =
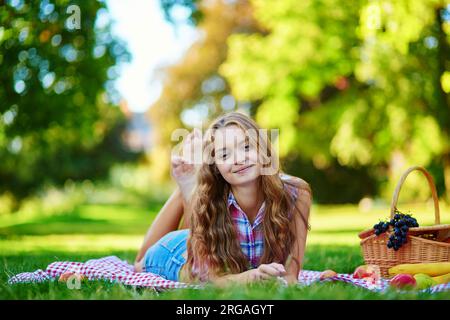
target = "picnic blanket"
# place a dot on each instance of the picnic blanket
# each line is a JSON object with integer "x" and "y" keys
{"x": 113, "y": 269}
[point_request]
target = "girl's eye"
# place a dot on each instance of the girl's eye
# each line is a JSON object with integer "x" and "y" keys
{"x": 224, "y": 156}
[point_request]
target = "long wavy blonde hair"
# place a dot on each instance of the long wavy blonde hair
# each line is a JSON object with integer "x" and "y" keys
{"x": 213, "y": 246}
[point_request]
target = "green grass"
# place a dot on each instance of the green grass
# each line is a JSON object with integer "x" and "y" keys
{"x": 94, "y": 231}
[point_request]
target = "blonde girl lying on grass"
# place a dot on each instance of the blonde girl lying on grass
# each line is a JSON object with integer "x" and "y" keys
{"x": 228, "y": 220}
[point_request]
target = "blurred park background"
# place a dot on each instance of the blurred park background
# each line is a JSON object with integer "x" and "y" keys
{"x": 92, "y": 90}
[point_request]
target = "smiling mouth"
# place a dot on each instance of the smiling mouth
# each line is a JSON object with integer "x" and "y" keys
{"x": 243, "y": 168}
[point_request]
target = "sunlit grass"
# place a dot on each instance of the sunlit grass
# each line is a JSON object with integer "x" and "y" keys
{"x": 89, "y": 243}
{"x": 99, "y": 228}
{"x": 93, "y": 231}
{"x": 341, "y": 224}
{"x": 336, "y": 218}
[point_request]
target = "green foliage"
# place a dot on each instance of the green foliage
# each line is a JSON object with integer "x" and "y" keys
{"x": 361, "y": 82}
{"x": 57, "y": 119}
{"x": 330, "y": 184}
{"x": 193, "y": 86}
{"x": 307, "y": 48}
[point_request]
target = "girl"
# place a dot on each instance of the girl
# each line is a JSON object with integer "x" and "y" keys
{"x": 239, "y": 225}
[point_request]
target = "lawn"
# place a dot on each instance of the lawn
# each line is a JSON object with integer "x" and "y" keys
{"x": 96, "y": 230}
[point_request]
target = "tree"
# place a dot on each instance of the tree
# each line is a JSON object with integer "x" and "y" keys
{"x": 362, "y": 82}
{"x": 213, "y": 88}
{"x": 407, "y": 56}
{"x": 56, "y": 100}
{"x": 194, "y": 85}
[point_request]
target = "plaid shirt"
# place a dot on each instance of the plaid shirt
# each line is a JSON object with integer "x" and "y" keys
{"x": 251, "y": 236}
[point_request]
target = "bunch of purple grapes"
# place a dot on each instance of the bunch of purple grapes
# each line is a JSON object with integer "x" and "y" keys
{"x": 400, "y": 225}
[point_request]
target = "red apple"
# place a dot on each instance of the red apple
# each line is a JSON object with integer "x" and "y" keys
{"x": 403, "y": 281}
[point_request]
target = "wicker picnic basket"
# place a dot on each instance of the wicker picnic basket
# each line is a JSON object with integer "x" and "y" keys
{"x": 417, "y": 249}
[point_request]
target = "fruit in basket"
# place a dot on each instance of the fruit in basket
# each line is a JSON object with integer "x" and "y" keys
{"x": 400, "y": 224}
{"x": 431, "y": 269}
{"x": 403, "y": 281}
{"x": 423, "y": 281}
{"x": 380, "y": 227}
{"x": 445, "y": 278}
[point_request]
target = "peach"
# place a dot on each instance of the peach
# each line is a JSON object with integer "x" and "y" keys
{"x": 361, "y": 272}
{"x": 327, "y": 274}
{"x": 371, "y": 273}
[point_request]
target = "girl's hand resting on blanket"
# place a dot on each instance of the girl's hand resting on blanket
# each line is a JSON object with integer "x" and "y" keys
{"x": 266, "y": 272}
{"x": 184, "y": 168}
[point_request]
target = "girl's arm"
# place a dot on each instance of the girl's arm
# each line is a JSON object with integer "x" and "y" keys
{"x": 184, "y": 171}
{"x": 166, "y": 221}
{"x": 304, "y": 201}
{"x": 187, "y": 209}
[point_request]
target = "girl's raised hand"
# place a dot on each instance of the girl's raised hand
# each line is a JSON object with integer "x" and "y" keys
{"x": 184, "y": 167}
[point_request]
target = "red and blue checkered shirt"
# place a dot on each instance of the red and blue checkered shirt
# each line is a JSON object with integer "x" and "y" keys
{"x": 251, "y": 236}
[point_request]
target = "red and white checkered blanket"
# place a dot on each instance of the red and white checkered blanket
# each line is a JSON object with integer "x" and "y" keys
{"x": 114, "y": 269}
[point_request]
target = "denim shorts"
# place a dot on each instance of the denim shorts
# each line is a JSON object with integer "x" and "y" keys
{"x": 165, "y": 258}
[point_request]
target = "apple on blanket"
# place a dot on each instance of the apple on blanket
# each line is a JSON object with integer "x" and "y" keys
{"x": 371, "y": 273}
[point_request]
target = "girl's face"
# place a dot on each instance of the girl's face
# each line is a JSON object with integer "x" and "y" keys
{"x": 236, "y": 159}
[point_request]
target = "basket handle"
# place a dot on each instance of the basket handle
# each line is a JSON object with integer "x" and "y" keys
{"x": 430, "y": 183}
